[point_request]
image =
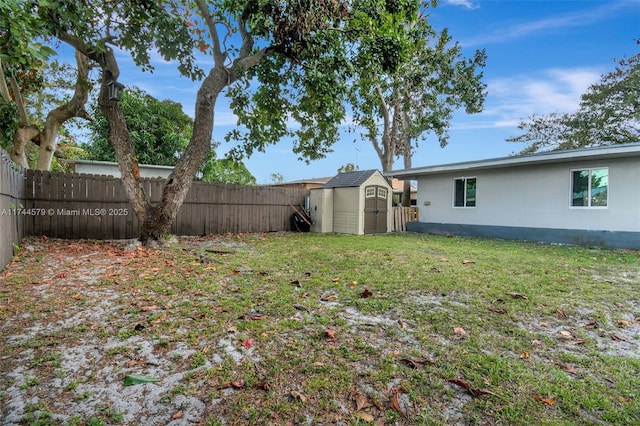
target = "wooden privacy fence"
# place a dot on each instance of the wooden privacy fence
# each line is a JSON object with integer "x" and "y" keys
{"x": 12, "y": 197}
{"x": 65, "y": 205}
{"x": 402, "y": 215}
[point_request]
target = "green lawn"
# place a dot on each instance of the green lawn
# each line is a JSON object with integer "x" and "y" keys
{"x": 321, "y": 329}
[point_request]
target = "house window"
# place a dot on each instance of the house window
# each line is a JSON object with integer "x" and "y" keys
{"x": 589, "y": 187}
{"x": 382, "y": 193}
{"x": 464, "y": 192}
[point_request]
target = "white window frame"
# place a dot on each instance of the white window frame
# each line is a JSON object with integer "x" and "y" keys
{"x": 464, "y": 201}
{"x": 590, "y": 170}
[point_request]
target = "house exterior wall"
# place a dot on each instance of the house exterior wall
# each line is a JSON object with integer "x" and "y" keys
{"x": 535, "y": 197}
{"x": 111, "y": 169}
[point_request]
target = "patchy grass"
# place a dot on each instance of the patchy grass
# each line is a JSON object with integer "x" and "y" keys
{"x": 320, "y": 329}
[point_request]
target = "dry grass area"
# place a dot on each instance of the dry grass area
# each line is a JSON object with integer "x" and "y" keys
{"x": 304, "y": 329}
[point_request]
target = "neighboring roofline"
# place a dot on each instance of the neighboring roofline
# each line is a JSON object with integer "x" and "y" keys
{"x": 111, "y": 163}
{"x": 547, "y": 157}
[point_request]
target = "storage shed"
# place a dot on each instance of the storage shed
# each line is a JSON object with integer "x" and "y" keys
{"x": 353, "y": 203}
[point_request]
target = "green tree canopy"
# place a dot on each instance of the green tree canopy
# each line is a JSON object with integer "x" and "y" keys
{"x": 608, "y": 114}
{"x": 160, "y": 130}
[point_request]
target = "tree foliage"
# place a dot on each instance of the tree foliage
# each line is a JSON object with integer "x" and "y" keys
{"x": 411, "y": 93}
{"x": 23, "y": 56}
{"x": 160, "y": 132}
{"x": 608, "y": 114}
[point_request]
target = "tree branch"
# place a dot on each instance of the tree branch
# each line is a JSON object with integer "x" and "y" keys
{"x": 218, "y": 55}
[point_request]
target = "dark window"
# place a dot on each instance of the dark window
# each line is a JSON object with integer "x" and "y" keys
{"x": 464, "y": 192}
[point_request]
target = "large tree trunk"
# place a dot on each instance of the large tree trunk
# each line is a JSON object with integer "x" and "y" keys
{"x": 158, "y": 222}
{"x": 57, "y": 117}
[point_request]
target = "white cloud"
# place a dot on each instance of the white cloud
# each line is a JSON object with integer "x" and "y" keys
{"x": 464, "y": 3}
{"x": 503, "y": 32}
{"x": 516, "y": 98}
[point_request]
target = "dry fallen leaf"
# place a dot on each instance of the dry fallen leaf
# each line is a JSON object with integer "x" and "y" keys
{"x": 524, "y": 355}
{"x": 331, "y": 334}
{"x": 364, "y": 416}
{"x": 247, "y": 344}
{"x": 330, "y": 298}
{"x": 335, "y": 280}
{"x": 517, "y": 295}
{"x": 395, "y": 402}
{"x": 536, "y": 342}
{"x": 299, "y": 396}
{"x": 565, "y": 335}
{"x": 366, "y": 293}
{"x": 460, "y": 331}
{"x": 177, "y": 415}
{"x": 360, "y": 400}
{"x": 548, "y": 401}
{"x": 467, "y": 262}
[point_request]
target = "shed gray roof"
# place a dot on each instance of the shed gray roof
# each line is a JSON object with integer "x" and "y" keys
{"x": 349, "y": 179}
{"x": 548, "y": 157}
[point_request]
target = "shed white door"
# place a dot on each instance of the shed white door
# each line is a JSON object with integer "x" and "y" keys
{"x": 375, "y": 209}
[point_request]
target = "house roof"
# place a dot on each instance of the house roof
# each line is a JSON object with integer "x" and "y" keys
{"x": 349, "y": 179}
{"x": 548, "y": 157}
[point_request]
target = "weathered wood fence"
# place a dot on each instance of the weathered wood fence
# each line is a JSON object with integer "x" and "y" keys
{"x": 402, "y": 215}
{"x": 69, "y": 205}
{"x": 12, "y": 197}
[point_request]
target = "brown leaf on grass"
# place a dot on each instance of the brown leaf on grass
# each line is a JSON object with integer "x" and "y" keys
{"x": 299, "y": 396}
{"x": 547, "y": 401}
{"x": 498, "y": 311}
{"x": 366, "y": 293}
{"x": 517, "y": 295}
{"x": 330, "y": 298}
{"x": 623, "y": 323}
{"x": 361, "y": 401}
{"x": 150, "y": 308}
{"x": 460, "y": 331}
{"x": 473, "y": 391}
{"x": 524, "y": 355}
{"x": 177, "y": 415}
{"x": 567, "y": 368}
{"x": 619, "y": 338}
{"x": 467, "y": 262}
{"x": 296, "y": 283}
{"x": 263, "y": 384}
{"x": 561, "y": 313}
{"x": 394, "y": 403}
{"x": 414, "y": 363}
{"x": 460, "y": 382}
{"x": 436, "y": 269}
{"x": 235, "y": 385}
{"x": 591, "y": 325}
{"x": 330, "y": 334}
{"x": 247, "y": 344}
{"x": 365, "y": 417}
{"x": 336, "y": 280}
{"x": 565, "y": 335}
{"x": 536, "y": 342}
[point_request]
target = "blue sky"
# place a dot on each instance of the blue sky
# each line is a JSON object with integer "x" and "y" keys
{"x": 542, "y": 55}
